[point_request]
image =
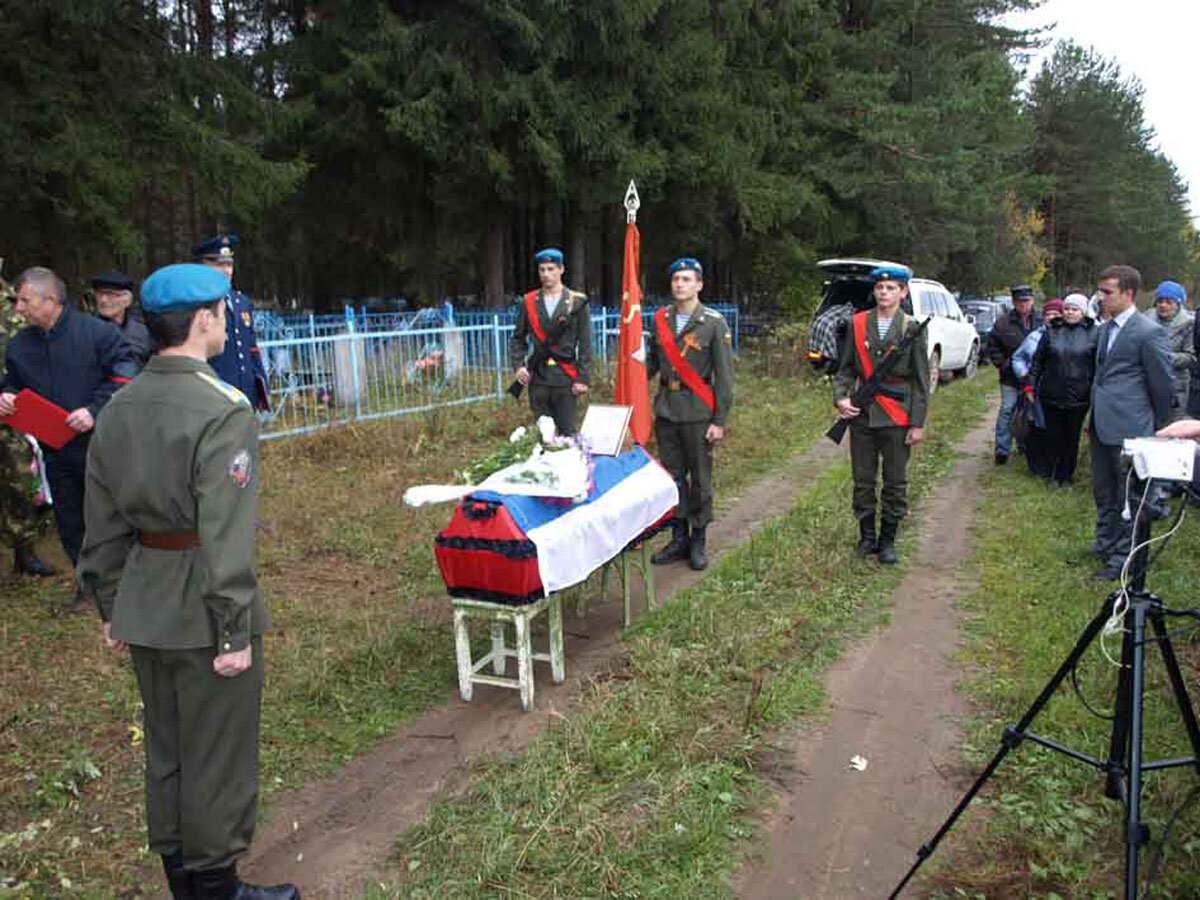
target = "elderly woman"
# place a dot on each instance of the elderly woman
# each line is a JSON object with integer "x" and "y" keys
{"x": 1062, "y": 370}
{"x": 1169, "y": 312}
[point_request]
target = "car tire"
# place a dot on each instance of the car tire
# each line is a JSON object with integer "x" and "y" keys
{"x": 935, "y": 369}
{"x": 972, "y": 366}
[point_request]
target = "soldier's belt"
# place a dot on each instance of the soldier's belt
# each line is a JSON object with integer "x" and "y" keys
{"x": 672, "y": 384}
{"x": 169, "y": 540}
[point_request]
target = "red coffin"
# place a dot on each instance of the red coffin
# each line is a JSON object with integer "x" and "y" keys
{"x": 484, "y": 555}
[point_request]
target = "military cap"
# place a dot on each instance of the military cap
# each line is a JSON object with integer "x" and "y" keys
{"x": 891, "y": 273}
{"x": 114, "y": 280}
{"x": 687, "y": 264}
{"x": 183, "y": 286}
{"x": 1022, "y": 292}
{"x": 550, "y": 255}
{"x": 1171, "y": 290}
{"x": 217, "y": 248}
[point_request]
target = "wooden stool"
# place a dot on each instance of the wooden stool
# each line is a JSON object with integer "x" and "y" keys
{"x": 521, "y": 617}
{"x": 624, "y": 570}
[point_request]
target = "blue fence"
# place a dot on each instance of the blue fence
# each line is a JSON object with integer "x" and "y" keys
{"x": 324, "y": 371}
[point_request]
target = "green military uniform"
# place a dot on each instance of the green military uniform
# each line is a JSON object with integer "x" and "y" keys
{"x": 570, "y": 330}
{"x": 874, "y": 436}
{"x": 681, "y": 417}
{"x": 22, "y": 519}
{"x": 169, "y": 558}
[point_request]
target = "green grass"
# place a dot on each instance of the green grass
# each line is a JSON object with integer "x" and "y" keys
{"x": 361, "y": 641}
{"x": 1043, "y": 827}
{"x": 645, "y": 789}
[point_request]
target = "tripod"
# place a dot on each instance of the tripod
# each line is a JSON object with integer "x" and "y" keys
{"x": 1124, "y": 765}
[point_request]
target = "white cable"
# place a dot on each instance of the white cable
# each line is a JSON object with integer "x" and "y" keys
{"x": 1115, "y": 623}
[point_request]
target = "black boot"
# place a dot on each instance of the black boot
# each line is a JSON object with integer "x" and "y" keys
{"x": 178, "y": 878}
{"x": 866, "y": 537}
{"x": 224, "y": 884}
{"x": 27, "y": 562}
{"x": 887, "y": 543}
{"x": 678, "y": 547}
{"x": 698, "y": 559}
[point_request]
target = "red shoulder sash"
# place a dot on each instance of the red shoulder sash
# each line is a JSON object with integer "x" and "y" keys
{"x": 539, "y": 334}
{"x": 897, "y": 413}
{"x": 690, "y": 377}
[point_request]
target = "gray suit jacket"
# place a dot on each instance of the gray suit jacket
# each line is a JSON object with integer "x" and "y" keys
{"x": 1133, "y": 390}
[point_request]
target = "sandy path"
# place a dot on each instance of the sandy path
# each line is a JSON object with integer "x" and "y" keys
{"x": 840, "y": 833}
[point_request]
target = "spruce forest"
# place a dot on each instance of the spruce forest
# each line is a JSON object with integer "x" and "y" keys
{"x": 425, "y": 148}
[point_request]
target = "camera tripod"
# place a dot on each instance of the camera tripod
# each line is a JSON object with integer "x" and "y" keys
{"x": 1124, "y": 765}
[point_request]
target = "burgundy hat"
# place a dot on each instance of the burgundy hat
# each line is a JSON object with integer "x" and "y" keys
{"x": 1053, "y": 305}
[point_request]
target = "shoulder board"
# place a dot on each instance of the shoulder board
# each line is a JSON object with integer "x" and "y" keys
{"x": 576, "y": 295}
{"x": 232, "y": 394}
{"x": 713, "y": 314}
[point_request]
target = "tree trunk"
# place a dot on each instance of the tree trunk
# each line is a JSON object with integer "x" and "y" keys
{"x": 494, "y": 284}
{"x": 577, "y": 249}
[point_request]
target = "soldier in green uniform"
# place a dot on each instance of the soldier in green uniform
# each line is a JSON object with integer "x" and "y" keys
{"x": 23, "y": 520}
{"x": 691, "y": 351}
{"x": 891, "y": 425}
{"x": 168, "y": 557}
{"x": 557, "y": 320}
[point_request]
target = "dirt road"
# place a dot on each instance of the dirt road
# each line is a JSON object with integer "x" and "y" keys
{"x": 838, "y": 832}
{"x": 331, "y": 836}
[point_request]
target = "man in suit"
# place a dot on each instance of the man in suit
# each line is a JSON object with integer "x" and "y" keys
{"x": 240, "y": 363}
{"x": 1131, "y": 397}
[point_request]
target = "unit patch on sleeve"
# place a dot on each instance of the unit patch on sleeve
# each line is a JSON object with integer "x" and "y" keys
{"x": 239, "y": 468}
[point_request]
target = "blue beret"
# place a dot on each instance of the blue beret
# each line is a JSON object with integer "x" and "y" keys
{"x": 1172, "y": 290}
{"x": 550, "y": 254}
{"x": 219, "y": 247}
{"x": 183, "y": 286}
{"x": 687, "y": 264}
{"x": 891, "y": 273}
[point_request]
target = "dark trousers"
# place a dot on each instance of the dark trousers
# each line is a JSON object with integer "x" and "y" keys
{"x": 65, "y": 470}
{"x": 1113, "y": 534}
{"x": 1063, "y": 427}
{"x": 868, "y": 447}
{"x": 688, "y": 457}
{"x": 1037, "y": 451}
{"x": 201, "y": 740}
{"x": 559, "y": 403}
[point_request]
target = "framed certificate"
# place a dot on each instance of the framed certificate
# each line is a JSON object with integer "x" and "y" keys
{"x": 604, "y": 428}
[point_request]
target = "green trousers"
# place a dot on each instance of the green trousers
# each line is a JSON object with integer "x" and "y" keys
{"x": 688, "y": 457}
{"x": 201, "y": 740}
{"x": 868, "y": 447}
{"x": 559, "y": 403}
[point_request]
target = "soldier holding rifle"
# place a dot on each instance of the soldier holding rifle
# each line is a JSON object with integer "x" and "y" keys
{"x": 557, "y": 319}
{"x": 895, "y": 420}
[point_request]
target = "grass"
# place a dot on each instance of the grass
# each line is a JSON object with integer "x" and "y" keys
{"x": 644, "y": 790}
{"x": 1043, "y": 828}
{"x": 361, "y": 640}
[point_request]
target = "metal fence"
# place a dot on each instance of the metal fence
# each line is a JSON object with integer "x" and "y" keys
{"x": 324, "y": 371}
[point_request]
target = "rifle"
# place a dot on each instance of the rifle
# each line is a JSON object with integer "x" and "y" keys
{"x": 542, "y": 353}
{"x": 869, "y": 389}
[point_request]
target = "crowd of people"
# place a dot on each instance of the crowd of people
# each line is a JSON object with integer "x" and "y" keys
{"x": 1097, "y": 360}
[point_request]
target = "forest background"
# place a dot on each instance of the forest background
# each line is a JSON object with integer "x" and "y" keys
{"x": 423, "y": 149}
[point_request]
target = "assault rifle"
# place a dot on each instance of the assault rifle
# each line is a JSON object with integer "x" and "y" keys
{"x": 542, "y": 353}
{"x": 873, "y": 386}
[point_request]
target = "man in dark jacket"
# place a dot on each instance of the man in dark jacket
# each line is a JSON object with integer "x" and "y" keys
{"x": 240, "y": 363}
{"x": 1003, "y": 342}
{"x": 73, "y": 360}
{"x": 114, "y": 301}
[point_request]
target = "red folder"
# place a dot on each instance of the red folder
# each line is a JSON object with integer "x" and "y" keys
{"x": 44, "y": 420}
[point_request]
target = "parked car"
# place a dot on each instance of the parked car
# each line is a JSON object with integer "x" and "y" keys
{"x": 985, "y": 313}
{"x": 953, "y": 342}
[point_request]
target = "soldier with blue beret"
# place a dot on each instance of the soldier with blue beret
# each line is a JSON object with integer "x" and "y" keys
{"x": 240, "y": 364}
{"x": 691, "y": 351}
{"x": 75, "y": 361}
{"x": 557, "y": 322}
{"x": 169, "y": 561}
{"x": 885, "y": 432}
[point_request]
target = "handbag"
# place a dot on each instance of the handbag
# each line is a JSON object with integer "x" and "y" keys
{"x": 1022, "y": 414}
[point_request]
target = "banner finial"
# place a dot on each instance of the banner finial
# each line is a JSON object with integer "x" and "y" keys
{"x": 632, "y": 203}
